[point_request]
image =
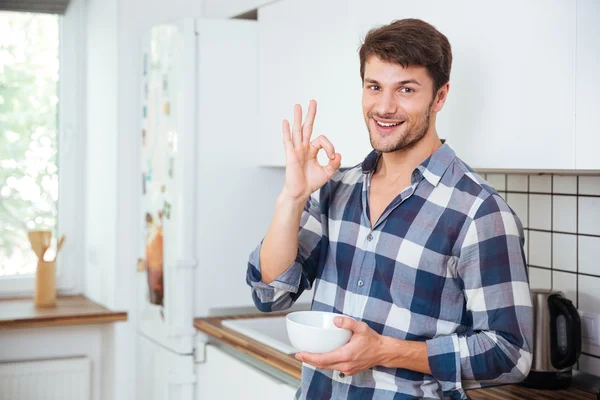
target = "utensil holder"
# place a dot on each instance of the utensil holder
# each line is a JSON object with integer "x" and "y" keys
{"x": 45, "y": 284}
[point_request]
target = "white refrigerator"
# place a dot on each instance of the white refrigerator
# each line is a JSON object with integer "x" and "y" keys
{"x": 204, "y": 202}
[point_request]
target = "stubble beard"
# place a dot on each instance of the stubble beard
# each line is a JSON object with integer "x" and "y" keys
{"x": 406, "y": 141}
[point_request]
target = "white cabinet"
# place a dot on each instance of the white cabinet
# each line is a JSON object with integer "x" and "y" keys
{"x": 512, "y": 97}
{"x": 230, "y": 8}
{"x": 162, "y": 374}
{"x": 306, "y": 52}
{"x": 588, "y": 84}
{"x": 223, "y": 376}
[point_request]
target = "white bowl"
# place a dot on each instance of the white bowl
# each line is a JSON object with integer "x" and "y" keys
{"x": 315, "y": 332}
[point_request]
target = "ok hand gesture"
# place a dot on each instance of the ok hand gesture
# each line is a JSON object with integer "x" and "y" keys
{"x": 303, "y": 173}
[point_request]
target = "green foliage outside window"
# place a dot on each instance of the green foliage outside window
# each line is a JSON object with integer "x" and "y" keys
{"x": 29, "y": 65}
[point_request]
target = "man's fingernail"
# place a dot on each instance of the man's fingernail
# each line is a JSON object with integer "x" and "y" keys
{"x": 338, "y": 320}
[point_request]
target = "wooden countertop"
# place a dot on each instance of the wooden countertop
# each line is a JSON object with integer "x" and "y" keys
{"x": 284, "y": 362}
{"x": 288, "y": 364}
{"x": 69, "y": 310}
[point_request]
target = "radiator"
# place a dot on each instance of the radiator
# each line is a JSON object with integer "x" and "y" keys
{"x": 60, "y": 379}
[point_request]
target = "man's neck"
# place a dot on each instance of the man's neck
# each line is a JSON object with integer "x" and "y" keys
{"x": 399, "y": 165}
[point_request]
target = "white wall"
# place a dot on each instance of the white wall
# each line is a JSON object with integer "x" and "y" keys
{"x": 101, "y": 173}
{"x": 101, "y": 152}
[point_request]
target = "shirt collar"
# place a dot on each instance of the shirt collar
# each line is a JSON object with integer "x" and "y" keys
{"x": 431, "y": 169}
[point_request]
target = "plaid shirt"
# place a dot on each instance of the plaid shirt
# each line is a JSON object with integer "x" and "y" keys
{"x": 443, "y": 264}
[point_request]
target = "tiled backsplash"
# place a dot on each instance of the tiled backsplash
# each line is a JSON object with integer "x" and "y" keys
{"x": 561, "y": 217}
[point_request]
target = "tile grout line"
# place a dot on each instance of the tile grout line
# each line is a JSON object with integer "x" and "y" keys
{"x": 564, "y": 271}
{"x": 558, "y": 193}
{"x": 577, "y": 246}
{"x": 565, "y": 233}
{"x": 590, "y": 355}
{"x": 528, "y": 228}
{"x": 552, "y": 232}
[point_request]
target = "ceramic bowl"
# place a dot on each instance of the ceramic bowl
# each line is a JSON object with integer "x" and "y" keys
{"x": 315, "y": 332}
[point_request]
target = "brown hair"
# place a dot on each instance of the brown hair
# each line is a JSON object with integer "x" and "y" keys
{"x": 410, "y": 42}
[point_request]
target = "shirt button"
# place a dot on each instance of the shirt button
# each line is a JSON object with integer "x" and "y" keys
{"x": 369, "y": 237}
{"x": 360, "y": 283}
{"x": 342, "y": 375}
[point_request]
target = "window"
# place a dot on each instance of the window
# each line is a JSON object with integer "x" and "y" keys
{"x": 29, "y": 66}
{"x": 41, "y": 178}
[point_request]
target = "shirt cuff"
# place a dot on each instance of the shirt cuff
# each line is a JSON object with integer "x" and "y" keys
{"x": 444, "y": 361}
{"x": 287, "y": 282}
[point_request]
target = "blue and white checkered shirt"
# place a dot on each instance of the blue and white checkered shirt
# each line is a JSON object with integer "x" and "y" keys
{"x": 443, "y": 264}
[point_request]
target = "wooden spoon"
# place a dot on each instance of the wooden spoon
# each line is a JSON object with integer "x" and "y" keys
{"x": 40, "y": 241}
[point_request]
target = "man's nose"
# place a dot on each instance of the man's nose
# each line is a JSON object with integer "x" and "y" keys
{"x": 386, "y": 106}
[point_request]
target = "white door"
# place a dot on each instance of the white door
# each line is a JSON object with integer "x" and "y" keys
{"x": 224, "y": 377}
{"x": 162, "y": 374}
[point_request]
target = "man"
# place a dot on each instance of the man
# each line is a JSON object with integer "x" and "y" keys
{"x": 415, "y": 246}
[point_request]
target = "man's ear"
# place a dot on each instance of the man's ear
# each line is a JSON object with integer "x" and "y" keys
{"x": 441, "y": 97}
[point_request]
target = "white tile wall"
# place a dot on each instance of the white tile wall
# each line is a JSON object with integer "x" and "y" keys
{"x": 564, "y": 252}
{"x": 518, "y": 202}
{"x": 561, "y": 217}
{"x": 566, "y": 283}
{"x": 589, "y": 215}
{"x": 589, "y": 255}
{"x": 564, "y": 184}
{"x": 540, "y": 278}
{"x": 564, "y": 214}
{"x": 589, "y": 185}
{"x": 497, "y": 181}
{"x": 517, "y": 183}
{"x": 540, "y": 211}
{"x": 589, "y": 293}
{"x": 540, "y": 249}
{"x": 540, "y": 183}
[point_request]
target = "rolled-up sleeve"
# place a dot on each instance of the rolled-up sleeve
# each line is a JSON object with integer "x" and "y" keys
{"x": 491, "y": 268}
{"x": 298, "y": 277}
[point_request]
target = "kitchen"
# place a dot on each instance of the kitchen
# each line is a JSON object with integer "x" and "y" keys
{"x": 157, "y": 352}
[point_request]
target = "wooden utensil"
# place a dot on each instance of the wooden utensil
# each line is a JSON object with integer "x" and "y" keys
{"x": 61, "y": 241}
{"x": 40, "y": 241}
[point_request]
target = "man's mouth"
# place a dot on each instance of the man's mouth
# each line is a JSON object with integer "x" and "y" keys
{"x": 385, "y": 127}
{"x": 388, "y": 124}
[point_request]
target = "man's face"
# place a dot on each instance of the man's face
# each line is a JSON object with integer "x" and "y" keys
{"x": 397, "y": 104}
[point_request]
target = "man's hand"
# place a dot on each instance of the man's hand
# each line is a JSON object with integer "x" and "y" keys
{"x": 303, "y": 173}
{"x": 360, "y": 353}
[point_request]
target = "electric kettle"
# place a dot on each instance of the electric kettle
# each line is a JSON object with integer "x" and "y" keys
{"x": 556, "y": 340}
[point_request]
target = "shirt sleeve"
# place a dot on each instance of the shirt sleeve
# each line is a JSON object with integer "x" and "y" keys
{"x": 287, "y": 287}
{"x": 491, "y": 269}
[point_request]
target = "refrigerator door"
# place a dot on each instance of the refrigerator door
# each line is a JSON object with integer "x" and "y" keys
{"x": 162, "y": 374}
{"x": 165, "y": 288}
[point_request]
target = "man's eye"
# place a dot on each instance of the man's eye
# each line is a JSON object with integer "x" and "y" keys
{"x": 406, "y": 90}
{"x": 374, "y": 87}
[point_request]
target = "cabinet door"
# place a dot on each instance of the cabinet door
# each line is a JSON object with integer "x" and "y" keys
{"x": 305, "y": 52}
{"x": 163, "y": 375}
{"x": 511, "y": 102}
{"x": 511, "y": 99}
{"x": 223, "y": 376}
{"x": 587, "y": 122}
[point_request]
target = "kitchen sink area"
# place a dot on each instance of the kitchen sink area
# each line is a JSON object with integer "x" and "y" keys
{"x": 271, "y": 332}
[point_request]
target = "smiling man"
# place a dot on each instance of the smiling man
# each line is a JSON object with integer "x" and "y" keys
{"x": 412, "y": 243}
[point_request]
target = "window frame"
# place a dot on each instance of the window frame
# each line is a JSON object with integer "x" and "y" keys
{"x": 71, "y": 161}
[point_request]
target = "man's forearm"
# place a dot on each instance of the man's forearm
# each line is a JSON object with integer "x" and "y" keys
{"x": 397, "y": 353}
{"x": 280, "y": 246}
